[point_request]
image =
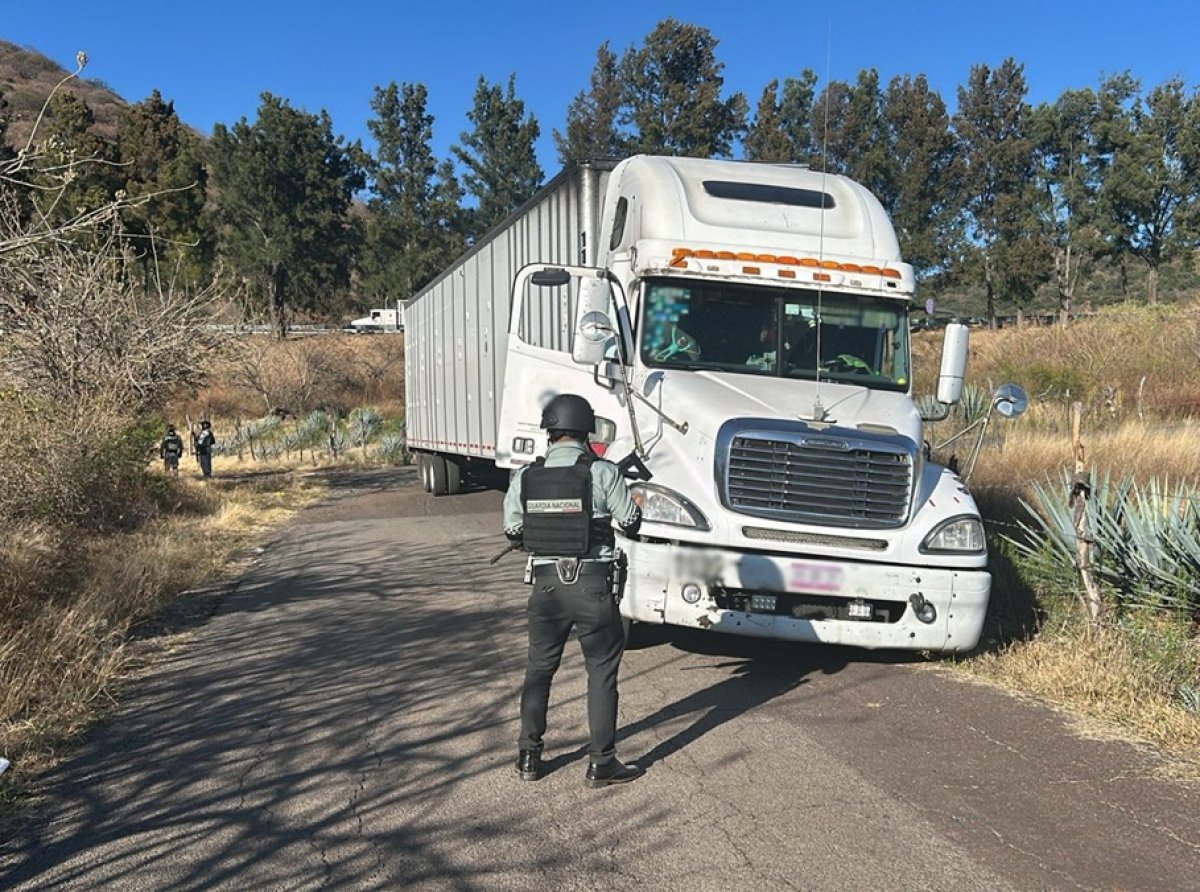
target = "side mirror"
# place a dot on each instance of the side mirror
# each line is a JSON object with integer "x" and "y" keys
{"x": 593, "y": 328}
{"x": 550, "y": 278}
{"x": 954, "y": 364}
{"x": 1010, "y": 401}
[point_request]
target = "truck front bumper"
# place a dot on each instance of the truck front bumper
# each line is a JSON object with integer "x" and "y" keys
{"x": 804, "y": 599}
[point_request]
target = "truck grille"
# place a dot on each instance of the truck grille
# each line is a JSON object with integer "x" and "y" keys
{"x": 819, "y": 480}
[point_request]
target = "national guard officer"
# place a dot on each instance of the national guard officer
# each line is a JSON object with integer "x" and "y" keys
{"x": 170, "y": 450}
{"x": 203, "y": 443}
{"x": 561, "y": 510}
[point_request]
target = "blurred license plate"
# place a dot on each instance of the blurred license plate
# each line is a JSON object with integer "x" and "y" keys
{"x": 822, "y": 578}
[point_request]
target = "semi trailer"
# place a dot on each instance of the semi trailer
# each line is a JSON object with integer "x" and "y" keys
{"x": 742, "y": 331}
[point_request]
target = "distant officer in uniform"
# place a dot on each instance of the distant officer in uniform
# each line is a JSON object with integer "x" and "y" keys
{"x": 203, "y": 444}
{"x": 561, "y": 510}
{"x": 170, "y": 450}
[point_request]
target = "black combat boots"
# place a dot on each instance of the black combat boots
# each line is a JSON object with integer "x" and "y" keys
{"x": 611, "y": 772}
{"x": 529, "y": 765}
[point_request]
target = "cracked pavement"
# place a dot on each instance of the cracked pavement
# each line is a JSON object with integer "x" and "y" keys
{"x": 346, "y": 718}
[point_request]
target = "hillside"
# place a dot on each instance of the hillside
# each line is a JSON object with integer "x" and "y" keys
{"x": 26, "y": 79}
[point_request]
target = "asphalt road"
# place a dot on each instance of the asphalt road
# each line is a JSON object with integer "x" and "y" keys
{"x": 345, "y": 717}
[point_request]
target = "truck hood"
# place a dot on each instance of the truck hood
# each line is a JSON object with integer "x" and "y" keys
{"x": 706, "y": 400}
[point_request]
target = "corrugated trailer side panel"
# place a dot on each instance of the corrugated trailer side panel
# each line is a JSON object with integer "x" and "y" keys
{"x": 457, "y": 327}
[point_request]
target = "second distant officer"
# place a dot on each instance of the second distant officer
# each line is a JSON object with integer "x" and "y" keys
{"x": 170, "y": 450}
{"x": 561, "y": 510}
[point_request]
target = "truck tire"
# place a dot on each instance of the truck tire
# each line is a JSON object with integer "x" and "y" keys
{"x": 454, "y": 477}
{"x": 426, "y": 472}
{"x": 438, "y": 475}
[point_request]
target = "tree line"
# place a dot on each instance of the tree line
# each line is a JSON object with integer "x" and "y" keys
{"x": 999, "y": 198}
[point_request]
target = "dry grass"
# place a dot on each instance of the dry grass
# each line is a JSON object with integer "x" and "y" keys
{"x": 1133, "y": 368}
{"x": 67, "y": 627}
{"x": 1125, "y": 360}
{"x": 1113, "y": 679}
{"x": 1026, "y": 453}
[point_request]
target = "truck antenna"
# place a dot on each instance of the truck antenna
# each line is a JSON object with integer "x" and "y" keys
{"x": 818, "y": 411}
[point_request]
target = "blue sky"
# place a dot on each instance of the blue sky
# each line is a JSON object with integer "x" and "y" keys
{"x": 214, "y": 58}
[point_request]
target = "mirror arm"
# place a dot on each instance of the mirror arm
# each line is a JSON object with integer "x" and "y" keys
{"x": 962, "y": 433}
{"x": 974, "y": 457}
{"x": 604, "y": 383}
{"x": 682, "y": 428}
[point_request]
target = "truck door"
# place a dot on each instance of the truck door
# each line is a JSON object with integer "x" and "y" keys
{"x": 539, "y": 365}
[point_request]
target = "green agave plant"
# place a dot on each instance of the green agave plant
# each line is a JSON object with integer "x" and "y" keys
{"x": 1188, "y": 697}
{"x": 393, "y": 449}
{"x": 1146, "y": 539}
{"x": 313, "y": 427}
{"x": 975, "y": 403}
{"x": 363, "y": 423}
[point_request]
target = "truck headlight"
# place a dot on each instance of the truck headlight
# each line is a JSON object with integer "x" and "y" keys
{"x": 660, "y": 505}
{"x": 958, "y": 535}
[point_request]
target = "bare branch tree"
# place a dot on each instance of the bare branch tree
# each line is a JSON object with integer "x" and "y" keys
{"x": 79, "y": 330}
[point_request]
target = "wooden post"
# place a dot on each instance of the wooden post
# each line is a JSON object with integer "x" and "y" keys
{"x": 1081, "y": 491}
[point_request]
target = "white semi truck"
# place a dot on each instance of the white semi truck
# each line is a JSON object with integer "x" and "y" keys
{"x": 383, "y": 319}
{"x": 742, "y": 331}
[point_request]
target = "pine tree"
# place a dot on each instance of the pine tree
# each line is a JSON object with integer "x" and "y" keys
{"x": 412, "y": 231}
{"x": 854, "y": 138}
{"x": 1070, "y": 169}
{"x": 161, "y": 158}
{"x": 7, "y": 153}
{"x": 795, "y": 112}
{"x": 925, "y": 187}
{"x": 283, "y": 187}
{"x": 592, "y": 115}
{"x": 673, "y": 101}
{"x": 1008, "y": 251}
{"x": 502, "y": 169}
{"x": 70, "y": 144}
{"x": 766, "y": 139}
{"x": 1150, "y": 194}
{"x": 782, "y": 126}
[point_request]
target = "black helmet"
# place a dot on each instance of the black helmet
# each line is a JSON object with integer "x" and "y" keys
{"x": 206, "y": 423}
{"x": 568, "y": 412}
{"x": 170, "y": 428}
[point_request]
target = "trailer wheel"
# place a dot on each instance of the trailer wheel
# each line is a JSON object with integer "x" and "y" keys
{"x": 424, "y": 470}
{"x": 438, "y": 475}
{"x": 454, "y": 477}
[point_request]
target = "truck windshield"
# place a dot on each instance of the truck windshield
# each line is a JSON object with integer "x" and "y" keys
{"x": 776, "y": 332}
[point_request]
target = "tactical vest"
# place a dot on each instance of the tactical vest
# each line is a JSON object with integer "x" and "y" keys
{"x": 557, "y": 508}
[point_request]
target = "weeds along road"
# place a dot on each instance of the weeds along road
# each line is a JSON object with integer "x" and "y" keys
{"x": 346, "y": 718}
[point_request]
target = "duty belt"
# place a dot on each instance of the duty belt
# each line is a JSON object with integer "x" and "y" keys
{"x": 568, "y": 570}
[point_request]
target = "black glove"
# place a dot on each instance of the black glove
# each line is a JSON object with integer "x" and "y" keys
{"x": 516, "y": 538}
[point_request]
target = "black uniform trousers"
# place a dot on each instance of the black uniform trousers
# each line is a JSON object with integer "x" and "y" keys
{"x": 554, "y": 608}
